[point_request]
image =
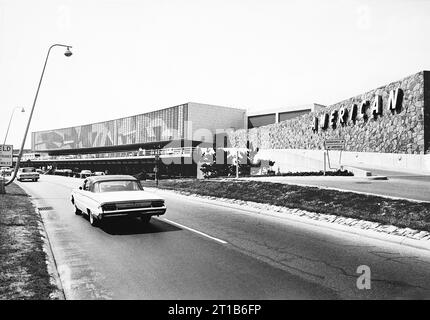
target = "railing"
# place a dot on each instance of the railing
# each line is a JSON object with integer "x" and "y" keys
{"x": 148, "y": 153}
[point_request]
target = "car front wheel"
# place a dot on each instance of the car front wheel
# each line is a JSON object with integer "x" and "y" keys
{"x": 93, "y": 221}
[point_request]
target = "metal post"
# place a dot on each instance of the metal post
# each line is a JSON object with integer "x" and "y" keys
{"x": 32, "y": 110}
{"x": 324, "y": 162}
{"x": 237, "y": 164}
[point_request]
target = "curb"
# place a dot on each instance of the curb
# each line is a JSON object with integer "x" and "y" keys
{"x": 368, "y": 233}
{"x": 50, "y": 259}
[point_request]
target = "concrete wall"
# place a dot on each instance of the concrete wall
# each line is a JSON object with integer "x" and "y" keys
{"x": 397, "y": 140}
{"x": 212, "y": 118}
{"x": 299, "y": 160}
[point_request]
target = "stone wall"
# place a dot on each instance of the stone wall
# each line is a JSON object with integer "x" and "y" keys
{"x": 401, "y": 131}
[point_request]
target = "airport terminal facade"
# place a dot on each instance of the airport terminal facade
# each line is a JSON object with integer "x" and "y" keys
{"x": 386, "y": 128}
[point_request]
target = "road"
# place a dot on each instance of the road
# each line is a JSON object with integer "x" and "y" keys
{"x": 204, "y": 251}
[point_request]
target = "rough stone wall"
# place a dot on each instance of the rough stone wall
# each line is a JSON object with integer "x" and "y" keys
{"x": 427, "y": 111}
{"x": 401, "y": 132}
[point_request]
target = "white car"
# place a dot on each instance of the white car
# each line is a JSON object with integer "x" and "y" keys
{"x": 28, "y": 173}
{"x": 108, "y": 196}
{"x": 5, "y": 171}
{"x": 85, "y": 173}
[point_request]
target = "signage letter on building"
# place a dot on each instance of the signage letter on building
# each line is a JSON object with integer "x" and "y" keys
{"x": 363, "y": 107}
{"x": 333, "y": 118}
{"x": 395, "y": 100}
{"x": 315, "y": 124}
{"x": 343, "y": 115}
{"x": 376, "y": 109}
{"x": 324, "y": 121}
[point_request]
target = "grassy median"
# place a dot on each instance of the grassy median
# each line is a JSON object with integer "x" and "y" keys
{"x": 401, "y": 213}
{"x": 23, "y": 269}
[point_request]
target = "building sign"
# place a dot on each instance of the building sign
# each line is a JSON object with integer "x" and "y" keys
{"x": 345, "y": 115}
{"x": 6, "y": 155}
{"x": 334, "y": 144}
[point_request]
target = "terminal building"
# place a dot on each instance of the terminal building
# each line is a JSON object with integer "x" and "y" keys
{"x": 384, "y": 128}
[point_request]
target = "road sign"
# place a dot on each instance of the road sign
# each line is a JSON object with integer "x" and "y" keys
{"x": 6, "y": 155}
{"x": 334, "y": 144}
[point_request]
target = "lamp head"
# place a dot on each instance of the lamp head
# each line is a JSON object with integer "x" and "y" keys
{"x": 68, "y": 53}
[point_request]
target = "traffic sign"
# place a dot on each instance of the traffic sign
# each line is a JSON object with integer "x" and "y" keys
{"x": 6, "y": 155}
{"x": 334, "y": 144}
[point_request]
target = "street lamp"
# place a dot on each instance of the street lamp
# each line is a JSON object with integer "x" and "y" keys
{"x": 10, "y": 120}
{"x": 67, "y": 53}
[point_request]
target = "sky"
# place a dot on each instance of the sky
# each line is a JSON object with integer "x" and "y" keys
{"x": 131, "y": 57}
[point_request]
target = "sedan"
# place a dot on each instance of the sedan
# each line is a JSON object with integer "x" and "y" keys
{"x": 108, "y": 196}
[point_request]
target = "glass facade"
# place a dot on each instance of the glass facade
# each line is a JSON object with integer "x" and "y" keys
{"x": 161, "y": 125}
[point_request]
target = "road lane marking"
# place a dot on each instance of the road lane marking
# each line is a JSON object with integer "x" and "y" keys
{"x": 193, "y": 230}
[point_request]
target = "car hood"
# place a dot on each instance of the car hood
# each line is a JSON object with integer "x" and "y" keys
{"x": 120, "y": 196}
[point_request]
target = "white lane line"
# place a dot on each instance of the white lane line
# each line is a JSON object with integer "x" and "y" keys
{"x": 194, "y": 230}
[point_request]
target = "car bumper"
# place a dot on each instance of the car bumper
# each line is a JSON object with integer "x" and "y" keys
{"x": 28, "y": 177}
{"x": 133, "y": 213}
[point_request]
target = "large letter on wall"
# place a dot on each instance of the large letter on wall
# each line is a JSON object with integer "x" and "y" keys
{"x": 315, "y": 124}
{"x": 376, "y": 107}
{"x": 353, "y": 114}
{"x": 395, "y": 100}
{"x": 324, "y": 121}
{"x": 333, "y": 119}
{"x": 363, "y": 107}
{"x": 343, "y": 116}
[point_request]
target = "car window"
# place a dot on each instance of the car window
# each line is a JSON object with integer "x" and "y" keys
{"x": 118, "y": 185}
{"x": 94, "y": 187}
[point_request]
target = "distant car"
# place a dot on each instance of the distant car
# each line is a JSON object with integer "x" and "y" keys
{"x": 27, "y": 173}
{"x": 85, "y": 174}
{"x": 98, "y": 173}
{"x": 108, "y": 196}
{"x": 5, "y": 171}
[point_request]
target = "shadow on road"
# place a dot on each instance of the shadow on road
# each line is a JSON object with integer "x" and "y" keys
{"x": 135, "y": 226}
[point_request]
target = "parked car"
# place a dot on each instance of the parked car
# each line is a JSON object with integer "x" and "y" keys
{"x": 108, "y": 196}
{"x": 85, "y": 174}
{"x": 27, "y": 173}
{"x": 5, "y": 171}
{"x": 98, "y": 173}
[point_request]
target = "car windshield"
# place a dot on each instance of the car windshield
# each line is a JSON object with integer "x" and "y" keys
{"x": 28, "y": 170}
{"x": 117, "y": 185}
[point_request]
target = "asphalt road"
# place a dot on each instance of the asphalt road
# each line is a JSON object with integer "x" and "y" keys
{"x": 205, "y": 251}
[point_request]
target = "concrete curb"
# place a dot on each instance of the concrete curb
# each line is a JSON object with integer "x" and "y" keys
{"x": 50, "y": 262}
{"x": 368, "y": 233}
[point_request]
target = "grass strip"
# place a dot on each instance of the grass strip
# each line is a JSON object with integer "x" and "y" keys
{"x": 23, "y": 269}
{"x": 400, "y": 213}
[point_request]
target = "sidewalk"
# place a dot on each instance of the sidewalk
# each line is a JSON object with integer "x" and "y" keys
{"x": 399, "y": 185}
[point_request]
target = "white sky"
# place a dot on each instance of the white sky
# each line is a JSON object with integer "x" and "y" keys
{"x": 132, "y": 57}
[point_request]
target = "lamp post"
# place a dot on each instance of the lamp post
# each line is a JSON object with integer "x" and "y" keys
{"x": 67, "y": 53}
{"x": 10, "y": 120}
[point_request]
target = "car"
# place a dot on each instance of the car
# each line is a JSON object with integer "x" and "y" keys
{"x": 110, "y": 196}
{"x": 27, "y": 173}
{"x": 85, "y": 173}
{"x": 98, "y": 173}
{"x": 5, "y": 171}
